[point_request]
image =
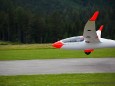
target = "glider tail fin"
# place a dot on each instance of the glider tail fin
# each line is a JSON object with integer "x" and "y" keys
{"x": 99, "y": 31}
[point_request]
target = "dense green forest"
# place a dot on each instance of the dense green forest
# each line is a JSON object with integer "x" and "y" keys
{"x": 46, "y": 21}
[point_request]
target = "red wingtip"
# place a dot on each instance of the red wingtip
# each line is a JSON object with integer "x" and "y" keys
{"x": 101, "y": 28}
{"x": 89, "y": 50}
{"x": 94, "y": 17}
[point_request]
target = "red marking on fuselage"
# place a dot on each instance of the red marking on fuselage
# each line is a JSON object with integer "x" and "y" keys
{"x": 57, "y": 44}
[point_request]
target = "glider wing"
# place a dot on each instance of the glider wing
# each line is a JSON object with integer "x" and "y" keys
{"x": 90, "y": 34}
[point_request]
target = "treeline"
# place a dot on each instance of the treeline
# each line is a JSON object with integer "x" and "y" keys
{"x": 46, "y": 21}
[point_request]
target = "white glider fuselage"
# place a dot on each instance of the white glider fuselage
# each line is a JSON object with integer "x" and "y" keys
{"x": 90, "y": 40}
{"x": 105, "y": 43}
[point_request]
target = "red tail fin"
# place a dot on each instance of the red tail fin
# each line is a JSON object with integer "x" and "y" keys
{"x": 101, "y": 28}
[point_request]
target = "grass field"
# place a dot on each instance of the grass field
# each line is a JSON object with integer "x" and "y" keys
{"x": 99, "y": 79}
{"x": 45, "y": 51}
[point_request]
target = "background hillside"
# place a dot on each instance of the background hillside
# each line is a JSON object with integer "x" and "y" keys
{"x": 46, "y": 21}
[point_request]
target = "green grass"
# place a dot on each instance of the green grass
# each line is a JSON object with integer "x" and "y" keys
{"x": 45, "y": 51}
{"x": 25, "y": 46}
{"x": 8, "y": 43}
{"x": 99, "y": 79}
{"x": 52, "y": 54}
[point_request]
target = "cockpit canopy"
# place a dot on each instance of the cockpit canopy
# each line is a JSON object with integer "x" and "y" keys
{"x": 73, "y": 39}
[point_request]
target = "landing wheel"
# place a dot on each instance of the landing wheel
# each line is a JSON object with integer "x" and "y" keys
{"x": 87, "y": 53}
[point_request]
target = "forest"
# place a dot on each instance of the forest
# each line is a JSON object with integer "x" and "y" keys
{"x": 46, "y": 21}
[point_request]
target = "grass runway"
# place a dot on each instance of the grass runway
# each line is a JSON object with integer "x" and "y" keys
{"x": 45, "y": 51}
{"x": 100, "y": 79}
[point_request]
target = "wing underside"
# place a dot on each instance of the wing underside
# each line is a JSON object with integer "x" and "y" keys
{"x": 90, "y": 34}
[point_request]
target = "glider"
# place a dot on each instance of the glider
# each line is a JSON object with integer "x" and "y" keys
{"x": 90, "y": 40}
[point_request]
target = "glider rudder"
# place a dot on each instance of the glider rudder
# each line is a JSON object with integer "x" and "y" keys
{"x": 101, "y": 28}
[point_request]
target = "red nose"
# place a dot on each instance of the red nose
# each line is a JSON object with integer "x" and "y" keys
{"x": 57, "y": 44}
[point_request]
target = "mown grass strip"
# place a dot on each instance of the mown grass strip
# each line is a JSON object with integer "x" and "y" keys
{"x": 25, "y": 46}
{"x": 53, "y": 54}
{"x": 46, "y": 51}
{"x": 98, "y": 79}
